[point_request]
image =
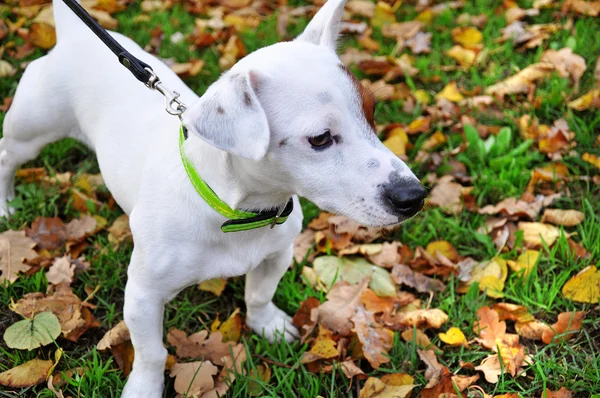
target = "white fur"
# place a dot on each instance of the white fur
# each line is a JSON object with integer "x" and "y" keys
{"x": 80, "y": 90}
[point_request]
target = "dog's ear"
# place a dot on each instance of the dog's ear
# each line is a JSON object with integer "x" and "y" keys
{"x": 230, "y": 116}
{"x": 324, "y": 28}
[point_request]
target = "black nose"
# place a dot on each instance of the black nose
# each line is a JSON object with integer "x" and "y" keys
{"x": 404, "y": 197}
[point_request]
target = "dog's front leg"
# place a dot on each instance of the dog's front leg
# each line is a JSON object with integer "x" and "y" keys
{"x": 145, "y": 298}
{"x": 262, "y": 315}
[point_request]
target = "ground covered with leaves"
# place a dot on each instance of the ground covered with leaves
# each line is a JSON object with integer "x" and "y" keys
{"x": 491, "y": 291}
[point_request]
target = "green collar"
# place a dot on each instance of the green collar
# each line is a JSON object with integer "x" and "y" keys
{"x": 238, "y": 220}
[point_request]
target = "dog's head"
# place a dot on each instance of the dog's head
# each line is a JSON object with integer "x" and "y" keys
{"x": 299, "y": 122}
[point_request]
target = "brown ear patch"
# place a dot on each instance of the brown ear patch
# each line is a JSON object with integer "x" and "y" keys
{"x": 368, "y": 100}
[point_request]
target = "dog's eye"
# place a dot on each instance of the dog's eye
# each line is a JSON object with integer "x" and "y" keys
{"x": 321, "y": 141}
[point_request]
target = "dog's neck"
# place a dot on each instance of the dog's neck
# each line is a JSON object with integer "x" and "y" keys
{"x": 229, "y": 177}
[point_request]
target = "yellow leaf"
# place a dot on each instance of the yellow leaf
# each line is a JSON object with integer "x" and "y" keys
{"x": 215, "y": 286}
{"x": 383, "y": 15}
{"x": 397, "y": 141}
{"x": 526, "y": 261}
{"x": 463, "y": 56}
{"x": 443, "y": 247}
{"x": 584, "y": 287}
{"x": 491, "y": 276}
{"x": 535, "y": 233}
{"x": 454, "y": 336}
{"x": 450, "y": 93}
{"x": 586, "y": 101}
{"x": 468, "y": 37}
{"x": 375, "y": 388}
{"x": 42, "y": 35}
{"x": 231, "y": 329}
{"x": 432, "y": 142}
{"x": 324, "y": 346}
{"x": 591, "y": 159}
{"x": 426, "y": 16}
{"x": 422, "y": 97}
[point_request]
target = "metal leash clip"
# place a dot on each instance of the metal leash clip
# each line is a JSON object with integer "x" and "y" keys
{"x": 173, "y": 105}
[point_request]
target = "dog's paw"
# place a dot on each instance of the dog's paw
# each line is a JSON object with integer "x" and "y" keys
{"x": 273, "y": 324}
{"x": 6, "y": 211}
{"x": 140, "y": 385}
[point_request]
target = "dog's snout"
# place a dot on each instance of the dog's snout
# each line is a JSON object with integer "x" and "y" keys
{"x": 406, "y": 198}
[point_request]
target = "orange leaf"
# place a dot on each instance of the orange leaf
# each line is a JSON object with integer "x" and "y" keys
{"x": 376, "y": 340}
{"x": 568, "y": 324}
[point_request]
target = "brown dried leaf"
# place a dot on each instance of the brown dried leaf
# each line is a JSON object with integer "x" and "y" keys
{"x": 536, "y": 234}
{"x": 115, "y": 336}
{"x": 61, "y": 271}
{"x": 340, "y": 306}
{"x": 566, "y": 63}
{"x": 423, "y": 319}
{"x": 198, "y": 346}
{"x": 403, "y": 274}
{"x": 48, "y": 233}
{"x": 15, "y": 247}
{"x": 447, "y": 195}
{"x": 193, "y": 378}
{"x": 567, "y": 218}
{"x": 376, "y": 340}
{"x": 522, "y": 82}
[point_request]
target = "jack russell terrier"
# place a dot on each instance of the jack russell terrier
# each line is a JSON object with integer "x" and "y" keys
{"x": 287, "y": 120}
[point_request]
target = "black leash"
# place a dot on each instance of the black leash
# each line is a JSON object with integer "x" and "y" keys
{"x": 141, "y": 70}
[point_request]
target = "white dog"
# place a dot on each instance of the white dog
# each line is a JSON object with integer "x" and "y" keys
{"x": 287, "y": 120}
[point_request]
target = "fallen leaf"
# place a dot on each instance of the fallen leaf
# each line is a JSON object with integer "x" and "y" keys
{"x": 119, "y": 230}
{"x": 490, "y": 329}
{"x": 567, "y": 218}
{"x": 29, "y": 374}
{"x": 375, "y": 304}
{"x": 523, "y": 81}
{"x": 454, "y": 336}
{"x": 303, "y": 244}
{"x": 115, "y": 336}
{"x": 468, "y": 37}
{"x": 397, "y": 141}
{"x": 584, "y": 287}
{"x": 567, "y": 325}
{"x": 28, "y": 334}
{"x": 450, "y": 92}
{"x": 61, "y": 271}
{"x": 307, "y": 315}
{"x": 231, "y": 52}
{"x": 420, "y": 43}
{"x": 537, "y": 234}
{"x": 382, "y": 15}
{"x": 562, "y": 393}
{"x": 526, "y": 261}
{"x": 591, "y": 159}
{"x": 324, "y": 347}
{"x": 513, "y": 312}
{"x": 214, "y": 286}
{"x": 423, "y": 319}
{"x": 232, "y": 365}
{"x": 231, "y": 329}
{"x": 340, "y": 306}
{"x": 566, "y": 63}
{"x": 376, "y": 340}
{"x": 583, "y": 7}
{"x": 259, "y": 377}
{"x": 519, "y": 207}
{"x": 6, "y": 69}
{"x": 48, "y": 233}
{"x": 331, "y": 268}
{"x": 403, "y": 274}
{"x": 197, "y": 345}
{"x": 447, "y": 195}
{"x": 418, "y": 337}
{"x": 14, "y": 248}
{"x": 463, "y": 56}
{"x": 443, "y": 247}
{"x": 73, "y": 316}
{"x": 193, "y": 378}
{"x": 491, "y": 276}
{"x": 434, "y": 370}
{"x": 532, "y": 330}
{"x": 590, "y": 100}
{"x": 80, "y": 228}
{"x": 375, "y": 388}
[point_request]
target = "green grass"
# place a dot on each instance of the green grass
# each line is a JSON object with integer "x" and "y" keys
{"x": 574, "y": 364}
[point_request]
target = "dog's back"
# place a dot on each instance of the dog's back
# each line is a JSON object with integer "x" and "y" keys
{"x": 71, "y": 91}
